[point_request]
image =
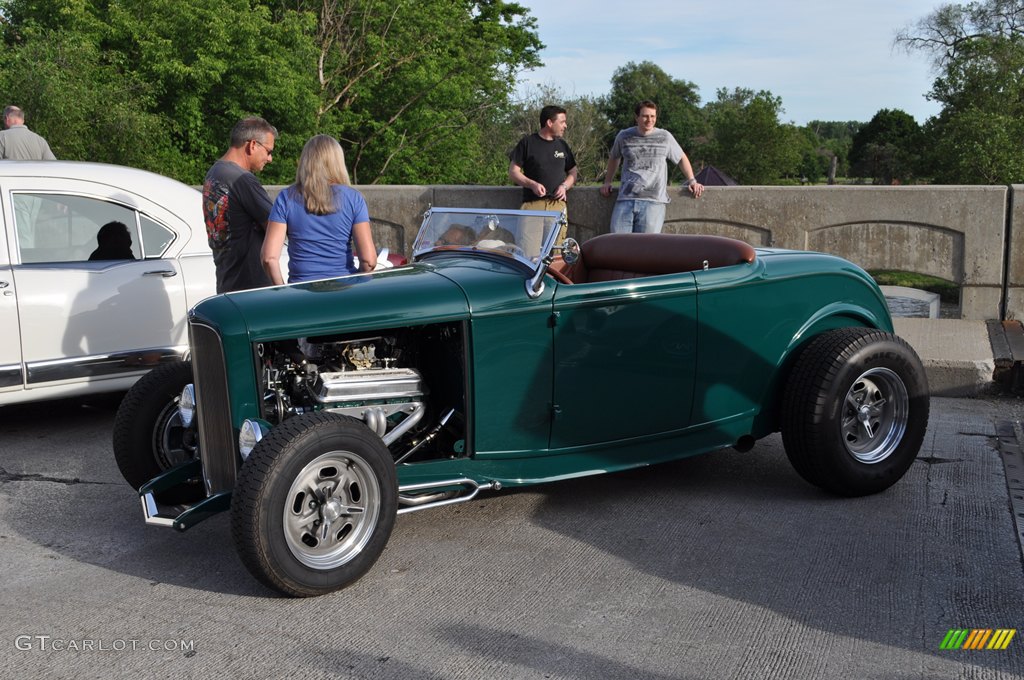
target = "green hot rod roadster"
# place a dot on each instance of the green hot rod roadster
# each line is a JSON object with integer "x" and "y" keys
{"x": 317, "y": 412}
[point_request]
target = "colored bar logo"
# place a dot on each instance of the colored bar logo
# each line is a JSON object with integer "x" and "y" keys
{"x": 978, "y": 638}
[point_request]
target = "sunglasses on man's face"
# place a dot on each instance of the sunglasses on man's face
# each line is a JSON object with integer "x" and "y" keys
{"x": 270, "y": 152}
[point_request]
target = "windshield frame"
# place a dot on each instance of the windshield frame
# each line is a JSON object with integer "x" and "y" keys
{"x": 538, "y": 227}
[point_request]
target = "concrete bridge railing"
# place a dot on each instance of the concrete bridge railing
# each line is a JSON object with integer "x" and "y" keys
{"x": 961, "y": 234}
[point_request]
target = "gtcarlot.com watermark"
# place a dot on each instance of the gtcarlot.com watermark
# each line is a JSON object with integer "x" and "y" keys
{"x": 50, "y": 643}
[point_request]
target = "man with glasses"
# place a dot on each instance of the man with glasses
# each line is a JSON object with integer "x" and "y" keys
{"x": 236, "y": 206}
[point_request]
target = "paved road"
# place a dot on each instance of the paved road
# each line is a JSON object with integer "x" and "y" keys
{"x": 724, "y": 566}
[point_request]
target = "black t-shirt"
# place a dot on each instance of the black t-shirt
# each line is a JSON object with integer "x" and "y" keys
{"x": 547, "y": 162}
{"x": 235, "y": 208}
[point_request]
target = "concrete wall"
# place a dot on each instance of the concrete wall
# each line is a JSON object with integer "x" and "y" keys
{"x": 956, "y": 233}
{"x": 1015, "y": 259}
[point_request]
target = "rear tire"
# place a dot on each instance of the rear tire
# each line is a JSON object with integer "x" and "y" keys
{"x": 855, "y": 411}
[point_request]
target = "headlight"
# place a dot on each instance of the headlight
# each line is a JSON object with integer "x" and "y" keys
{"x": 249, "y": 435}
{"x": 187, "y": 405}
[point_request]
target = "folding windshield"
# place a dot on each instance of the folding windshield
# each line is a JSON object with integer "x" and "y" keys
{"x": 526, "y": 235}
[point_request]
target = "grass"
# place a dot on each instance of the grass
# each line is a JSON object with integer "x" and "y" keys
{"x": 947, "y": 290}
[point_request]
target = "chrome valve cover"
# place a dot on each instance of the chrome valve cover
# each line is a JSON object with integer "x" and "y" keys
{"x": 368, "y": 385}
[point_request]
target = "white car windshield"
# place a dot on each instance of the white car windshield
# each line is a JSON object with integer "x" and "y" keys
{"x": 526, "y": 235}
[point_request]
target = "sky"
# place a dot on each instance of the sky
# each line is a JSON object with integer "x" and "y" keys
{"x": 827, "y": 60}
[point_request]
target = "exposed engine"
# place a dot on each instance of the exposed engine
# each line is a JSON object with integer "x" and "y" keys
{"x": 379, "y": 379}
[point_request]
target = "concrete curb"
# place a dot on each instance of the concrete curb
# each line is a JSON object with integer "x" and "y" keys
{"x": 957, "y": 354}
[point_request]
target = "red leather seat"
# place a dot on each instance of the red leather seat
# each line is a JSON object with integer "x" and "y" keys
{"x": 611, "y": 257}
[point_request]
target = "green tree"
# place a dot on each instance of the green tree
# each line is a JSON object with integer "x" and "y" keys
{"x": 587, "y": 132}
{"x": 887, "y": 148}
{"x": 975, "y": 146}
{"x": 407, "y": 86}
{"x": 191, "y": 69}
{"x": 835, "y": 140}
{"x": 678, "y": 101}
{"x": 747, "y": 140}
{"x": 840, "y": 130}
{"x": 977, "y": 50}
{"x": 85, "y": 107}
{"x": 411, "y": 87}
{"x": 814, "y": 157}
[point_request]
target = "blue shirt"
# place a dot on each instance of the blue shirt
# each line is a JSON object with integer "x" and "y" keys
{"x": 319, "y": 246}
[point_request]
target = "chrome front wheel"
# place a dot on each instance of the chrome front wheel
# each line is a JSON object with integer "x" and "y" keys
{"x": 332, "y": 509}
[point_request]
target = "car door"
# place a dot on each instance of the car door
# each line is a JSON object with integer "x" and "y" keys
{"x": 89, "y": 311}
{"x": 624, "y": 359}
{"x": 10, "y": 337}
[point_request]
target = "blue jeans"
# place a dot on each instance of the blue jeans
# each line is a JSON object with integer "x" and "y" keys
{"x": 639, "y": 217}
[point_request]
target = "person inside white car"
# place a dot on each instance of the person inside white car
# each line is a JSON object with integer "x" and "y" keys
{"x": 115, "y": 243}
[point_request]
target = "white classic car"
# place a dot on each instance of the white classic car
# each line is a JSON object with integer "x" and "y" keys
{"x": 99, "y": 265}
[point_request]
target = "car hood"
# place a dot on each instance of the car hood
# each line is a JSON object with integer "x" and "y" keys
{"x": 405, "y": 296}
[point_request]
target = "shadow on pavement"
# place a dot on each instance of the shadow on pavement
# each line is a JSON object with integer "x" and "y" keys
{"x": 70, "y": 498}
{"x": 880, "y": 568}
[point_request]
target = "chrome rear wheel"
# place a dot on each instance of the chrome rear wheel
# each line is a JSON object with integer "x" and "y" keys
{"x": 875, "y": 415}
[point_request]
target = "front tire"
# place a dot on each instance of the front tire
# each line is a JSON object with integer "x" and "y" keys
{"x": 148, "y": 435}
{"x": 314, "y": 504}
{"x": 855, "y": 411}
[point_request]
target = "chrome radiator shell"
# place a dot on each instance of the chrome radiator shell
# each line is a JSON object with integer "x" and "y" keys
{"x": 217, "y": 441}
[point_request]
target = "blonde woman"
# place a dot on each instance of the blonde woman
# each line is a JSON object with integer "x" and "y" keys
{"x": 322, "y": 216}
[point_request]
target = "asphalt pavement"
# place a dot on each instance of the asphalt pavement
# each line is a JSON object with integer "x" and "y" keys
{"x": 722, "y": 566}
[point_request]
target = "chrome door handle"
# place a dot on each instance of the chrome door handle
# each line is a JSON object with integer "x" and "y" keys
{"x": 4, "y": 284}
{"x": 166, "y": 273}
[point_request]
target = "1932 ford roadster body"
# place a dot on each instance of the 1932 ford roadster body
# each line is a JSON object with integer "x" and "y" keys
{"x": 317, "y": 412}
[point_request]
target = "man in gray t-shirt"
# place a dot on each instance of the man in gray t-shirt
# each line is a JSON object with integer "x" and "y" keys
{"x": 18, "y": 143}
{"x": 643, "y": 151}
